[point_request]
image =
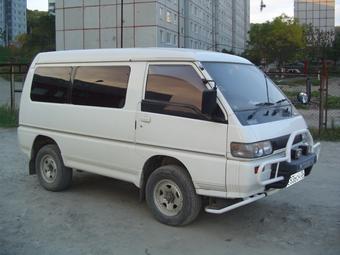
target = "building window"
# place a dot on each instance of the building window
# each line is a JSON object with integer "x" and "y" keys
{"x": 168, "y": 37}
{"x": 175, "y": 39}
{"x": 161, "y": 34}
{"x": 168, "y": 17}
{"x": 161, "y": 12}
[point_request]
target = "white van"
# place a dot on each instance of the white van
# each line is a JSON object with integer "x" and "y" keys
{"x": 182, "y": 125}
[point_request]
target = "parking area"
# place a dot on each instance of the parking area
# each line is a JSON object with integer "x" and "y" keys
{"x": 99, "y": 215}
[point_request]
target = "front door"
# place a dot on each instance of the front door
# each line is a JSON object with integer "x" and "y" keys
{"x": 170, "y": 122}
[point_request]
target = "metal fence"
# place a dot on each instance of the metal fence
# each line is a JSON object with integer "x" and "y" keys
{"x": 318, "y": 86}
{"x": 12, "y": 77}
{"x": 323, "y": 109}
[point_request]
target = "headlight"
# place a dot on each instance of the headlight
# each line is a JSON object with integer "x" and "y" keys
{"x": 251, "y": 150}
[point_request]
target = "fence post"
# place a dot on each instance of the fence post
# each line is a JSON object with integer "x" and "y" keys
{"x": 309, "y": 88}
{"x": 323, "y": 97}
{"x": 326, "y": 96}
{"x": 12, "y": 85}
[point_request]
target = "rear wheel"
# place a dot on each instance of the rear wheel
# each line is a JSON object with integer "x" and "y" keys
{"x": 50, "y": 168}
{"x": 171, "y": 196}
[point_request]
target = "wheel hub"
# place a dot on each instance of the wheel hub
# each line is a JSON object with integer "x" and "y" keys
{"x": 168, "y": 197}
{"x": 48, "y": 168}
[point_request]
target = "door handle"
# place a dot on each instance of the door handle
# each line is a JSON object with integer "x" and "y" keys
{"x": 145, "y": 119}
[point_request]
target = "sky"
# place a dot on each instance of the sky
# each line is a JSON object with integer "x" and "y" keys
{"x": 274, "y": 8}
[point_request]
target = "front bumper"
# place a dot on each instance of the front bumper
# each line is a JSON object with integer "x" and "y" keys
{"x": 282, "y": 169}
{"x": 285, "y": 166}
{"x": 287, "y": 169}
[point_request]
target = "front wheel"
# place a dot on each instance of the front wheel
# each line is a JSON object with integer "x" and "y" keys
{"x": 171, "y": 196}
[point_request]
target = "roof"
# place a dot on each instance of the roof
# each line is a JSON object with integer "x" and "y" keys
{"x": 135, "y": 54}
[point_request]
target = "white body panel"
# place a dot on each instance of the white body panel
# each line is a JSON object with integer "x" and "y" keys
{"x": 118, "y": 142}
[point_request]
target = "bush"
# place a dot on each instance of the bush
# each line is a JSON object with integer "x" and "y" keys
{"x": 332, "y": 134}
{"x": 8, "y": 118}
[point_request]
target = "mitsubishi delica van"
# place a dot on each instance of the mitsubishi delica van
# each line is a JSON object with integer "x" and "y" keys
{"x": 189, "y": 128}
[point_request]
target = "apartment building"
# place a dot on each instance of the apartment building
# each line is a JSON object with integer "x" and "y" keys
{"x": 3, "y": 35}
{"x": 199, "y": 24}
{"x": 12, "y": 20}
{"x": 319, "y": 13}
{"x": 51, "y": 7}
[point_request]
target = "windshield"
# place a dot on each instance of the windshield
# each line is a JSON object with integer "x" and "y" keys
{"x": 246, "y": 88}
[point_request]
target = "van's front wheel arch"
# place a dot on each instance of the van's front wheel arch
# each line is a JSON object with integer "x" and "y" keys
{"x": 50, "y": 168}
{"x": 171, "y": 196}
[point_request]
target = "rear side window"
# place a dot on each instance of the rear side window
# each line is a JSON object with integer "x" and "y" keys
{"x": 176, "y": 88}
{"x": 102, "y": 86}
{"x": 51, "y": 84}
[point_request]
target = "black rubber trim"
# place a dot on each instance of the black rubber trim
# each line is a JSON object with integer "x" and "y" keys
{"x": 281, "y": 142}
{"x": 287, "y": 169}
{"x": 295, "y": 166}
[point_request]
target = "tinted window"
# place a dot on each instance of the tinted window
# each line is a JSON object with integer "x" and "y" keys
{"x": 178, "y": 89}
{"x": 244, "y": 86}
{"x": 254, "y": 98}
{"x": 51, "y": 84}
{"x": 103, "y": 86}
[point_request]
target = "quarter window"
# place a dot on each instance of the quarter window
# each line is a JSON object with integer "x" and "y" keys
{"x": 51, "y": 84}
{"x": 103, "y": 86}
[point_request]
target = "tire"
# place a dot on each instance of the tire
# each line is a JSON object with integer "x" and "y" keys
{"x": 50, "y": 168}
{"x": 172, "y": 197}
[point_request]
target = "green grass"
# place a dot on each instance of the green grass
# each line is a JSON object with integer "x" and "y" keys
{"x": 333, "y": 101}
{"x": 8, "y": 118}
{"x": 299, "y": 81}
{"x": 331, "y": 134}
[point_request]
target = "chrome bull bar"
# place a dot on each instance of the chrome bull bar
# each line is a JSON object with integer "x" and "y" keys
{"x": 315, "y": 149}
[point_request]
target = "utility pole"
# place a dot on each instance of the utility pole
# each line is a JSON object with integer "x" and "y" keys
{"x": 214, "y": 23}
{"x": 121, "y": 22}
{"x": 178, "y": 23}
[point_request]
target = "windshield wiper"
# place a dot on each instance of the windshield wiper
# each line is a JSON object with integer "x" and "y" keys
{"x": 281, "y": 101}
{"x": 261, "y": 105}
{"x": 267, "y": 89}
{"x": 264, "y": 104}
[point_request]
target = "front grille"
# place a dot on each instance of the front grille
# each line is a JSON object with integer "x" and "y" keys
{"x": 281, "y": 142}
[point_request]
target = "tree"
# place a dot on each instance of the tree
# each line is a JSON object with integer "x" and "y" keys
{"x": 336, "y": 46}
{"x": 40, "y": 36}
{"x": 281, "y": 40}
{"x": 320, "y": 43}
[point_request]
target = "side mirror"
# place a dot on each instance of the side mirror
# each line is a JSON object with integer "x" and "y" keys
{"x": 209, "y": 101}
{"x": 303, "y": 98}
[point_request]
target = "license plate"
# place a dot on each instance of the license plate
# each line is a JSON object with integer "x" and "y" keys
{"x": 294, "y": 178}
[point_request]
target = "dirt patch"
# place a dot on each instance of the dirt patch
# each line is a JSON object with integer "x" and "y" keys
{"x": 100, "y": 215}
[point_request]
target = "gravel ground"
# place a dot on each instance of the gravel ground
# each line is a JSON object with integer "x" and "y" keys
{"x": 99, "y": 215}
